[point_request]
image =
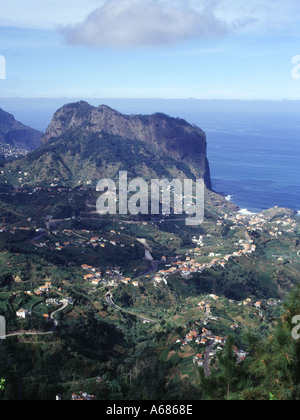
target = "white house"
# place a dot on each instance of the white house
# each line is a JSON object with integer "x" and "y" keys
{"x": 23, "y": 313}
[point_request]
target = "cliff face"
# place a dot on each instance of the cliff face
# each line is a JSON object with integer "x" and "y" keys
{"x": 16, "y": 134}
{"x": 174, "y": 137}
{"x": 84, "y": 144}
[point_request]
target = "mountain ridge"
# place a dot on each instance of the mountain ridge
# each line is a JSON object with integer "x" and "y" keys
{"x": 175, "y": 137}
{"x": 84, "y": 144}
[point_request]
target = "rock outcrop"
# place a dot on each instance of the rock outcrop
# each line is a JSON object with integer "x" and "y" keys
{"x": 176, "y": 138}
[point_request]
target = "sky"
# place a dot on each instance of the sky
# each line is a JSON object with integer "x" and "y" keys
{"x": 202, "y": 49}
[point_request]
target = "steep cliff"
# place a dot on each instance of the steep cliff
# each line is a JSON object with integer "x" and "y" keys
{"x": 84, "y": 144}
{"x": 174, "y": 137}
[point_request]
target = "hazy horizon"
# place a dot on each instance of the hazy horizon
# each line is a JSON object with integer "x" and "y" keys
{"x": 38, "y": 112}
{"x": 238, "y": 49}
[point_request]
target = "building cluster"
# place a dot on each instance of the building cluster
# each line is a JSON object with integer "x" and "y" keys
{"x": 9, "y": 152}
{"x": 94, "y": 242}
{"x": 111, "y": 277}
{"x": 13, "y": 229}
{"x": 190, "y": 266}
{"x": 93, "y": 276}
{"x": 262, "y": 222}
{"x": 42, "y": 291}
{"x": 212, "y": 344}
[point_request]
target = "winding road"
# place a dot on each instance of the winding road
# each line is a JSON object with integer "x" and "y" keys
{"x": 52, "y": 318}
{"x": 109, "y": 297}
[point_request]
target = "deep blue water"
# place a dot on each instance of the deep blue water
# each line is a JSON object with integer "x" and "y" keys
{"x": 254, "y": 158}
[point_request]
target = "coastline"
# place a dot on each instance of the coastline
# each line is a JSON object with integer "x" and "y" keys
{"x": 243, "y": 211}
{"x": 246, "y": 212}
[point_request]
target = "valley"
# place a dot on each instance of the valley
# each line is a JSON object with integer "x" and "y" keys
{"x": 135, "y": 307}
{"x": 226, "y": 277}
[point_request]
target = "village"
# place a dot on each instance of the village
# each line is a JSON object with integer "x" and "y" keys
{"x": 210, "y": 343}
{"x": 206, "y": 251}
{"x": 185, "y": 265}
{"x": 8, "y": 152}
{"x": 43, "y": 292}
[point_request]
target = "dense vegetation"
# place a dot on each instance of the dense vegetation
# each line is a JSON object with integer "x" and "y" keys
{"x": 77, "y": 157}
{"x": 123, "y": 362}
{"x": 107, "y": 352}
{"x": 272, "y": 370}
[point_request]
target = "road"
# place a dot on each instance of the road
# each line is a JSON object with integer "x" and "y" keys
{"x": 36, "y": 237}
{"x": 52, "y": 318}
{"x": 248, "y": 239}
{"x": 206, "y": 358}
{"x": 26, "y": 333}
{"x": 148, "y": 271}
{"x": 109, "y": 300}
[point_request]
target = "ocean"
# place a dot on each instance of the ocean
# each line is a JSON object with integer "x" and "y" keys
{"x": 254, "y": 158}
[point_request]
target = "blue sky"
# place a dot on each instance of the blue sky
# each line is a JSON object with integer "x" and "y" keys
{"x": 204, "y": 49}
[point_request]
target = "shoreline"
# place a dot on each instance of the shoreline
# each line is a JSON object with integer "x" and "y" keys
{"x": 247, "y": 212}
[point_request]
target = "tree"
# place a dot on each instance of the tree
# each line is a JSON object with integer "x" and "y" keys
{"x": 226, "y": 379}
{"x": 277, "y": 363}
{"x": 272, "y": 367}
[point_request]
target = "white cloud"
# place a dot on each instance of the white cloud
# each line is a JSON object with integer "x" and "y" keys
{"x": 134, "y": 23}
{"x": 125, "y": 23}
